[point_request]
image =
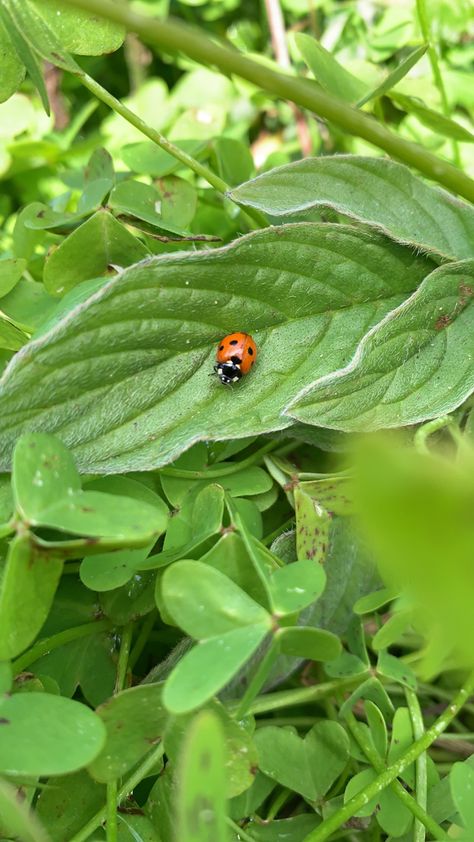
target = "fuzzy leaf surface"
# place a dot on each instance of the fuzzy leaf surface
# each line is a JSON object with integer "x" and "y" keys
{"x": 124, "y": 380}
{"x": 418, "y": 363}
{"x": 373, "y": 190}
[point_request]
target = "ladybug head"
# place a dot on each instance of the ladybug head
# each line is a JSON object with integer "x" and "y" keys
{"x": 228, "y": 372}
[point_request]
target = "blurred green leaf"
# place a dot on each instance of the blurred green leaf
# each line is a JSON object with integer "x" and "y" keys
{"x": 11, "y": 270}
{"x": 131, "y": 199}
{"x": 201, "y": 794}
{"x": 26, "y": 56}
{"x": 17, "y": 820}
{"x": 13, "y": 71}
{"x": 432, "y": 119}
{"x": 148, "y": 159}
{"x": 327, "y": 71}
{"x": 241, "y": 760}
{"x": 394, "y": 668}
{"x": 234, "y": 160}
{"x": 395, "y": 75}
{"x": 413, "y": 510}
{"x": 461, "y": 779}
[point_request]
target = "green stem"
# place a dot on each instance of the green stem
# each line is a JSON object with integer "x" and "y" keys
{"x": 418, "y": 808}
{"x": 301, "y": 696}
{"x": 142, "y": 639}
{"x": 258, "y": 680}
{"x": 426, "y": 430}
{"x": 372, "y": 790}
{"x": 239, "y": 833}
{"x": 176, "y": 37}
{"x": 124, "y": 654}
{"x": 421, "y": 767}
{"x": 143, "y": 770}
{"x": 111, "y": 826}
{"x": 56, "y": 640}
{"x": 435, "y": 69}
{"x": 256, "y": 218}
{"x": 221, "y": 471}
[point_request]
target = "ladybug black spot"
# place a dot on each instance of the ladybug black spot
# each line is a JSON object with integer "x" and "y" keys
{"x": 250, "y": 351}
{"x": 234, "y": 342}
{"x": 221, "y": 347}
{"x": 236, "y": 360}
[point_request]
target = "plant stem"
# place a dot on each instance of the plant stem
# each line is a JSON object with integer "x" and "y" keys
{"x": 421, "y": 768}
{"x": 111, "y": 826}
{"x": 435, "y": 68}
{"x": 142, "y": 638}
{"x": 256, "y": 218}
{"x": 175, "y": 37}
{"x": 426, "y": 430}
{"x": 258, "y": 680}
{"x": 56, "y": 640}
{"x": 224, "y": 470}
{"x": 239, "y": 833}
{"x": 301, "y": 695}
{"x": 416, "y": 807}
{"x": 392, "y": 772}
{"x": 124, "y": 653}
{"x": 129, "y": 785}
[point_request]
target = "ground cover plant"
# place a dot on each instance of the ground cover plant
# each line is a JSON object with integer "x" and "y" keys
{"x": 236, "y": 613}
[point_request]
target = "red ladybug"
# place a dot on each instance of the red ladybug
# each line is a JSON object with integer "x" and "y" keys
{"x": 236, "y": 354}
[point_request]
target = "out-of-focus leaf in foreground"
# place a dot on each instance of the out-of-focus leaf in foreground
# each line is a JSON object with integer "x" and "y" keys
{"x": 417, "y": 511}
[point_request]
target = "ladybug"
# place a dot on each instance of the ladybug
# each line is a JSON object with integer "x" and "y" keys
{"x": 236, "y": 354}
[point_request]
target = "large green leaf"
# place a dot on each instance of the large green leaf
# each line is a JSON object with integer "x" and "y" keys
{"x": 416, "y": 364}
{"x": 124, "y": 378}
{"x": 373, "y": 190}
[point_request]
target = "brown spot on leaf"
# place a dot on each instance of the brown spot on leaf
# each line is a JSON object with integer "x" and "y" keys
{"x": 443, "y": 322}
